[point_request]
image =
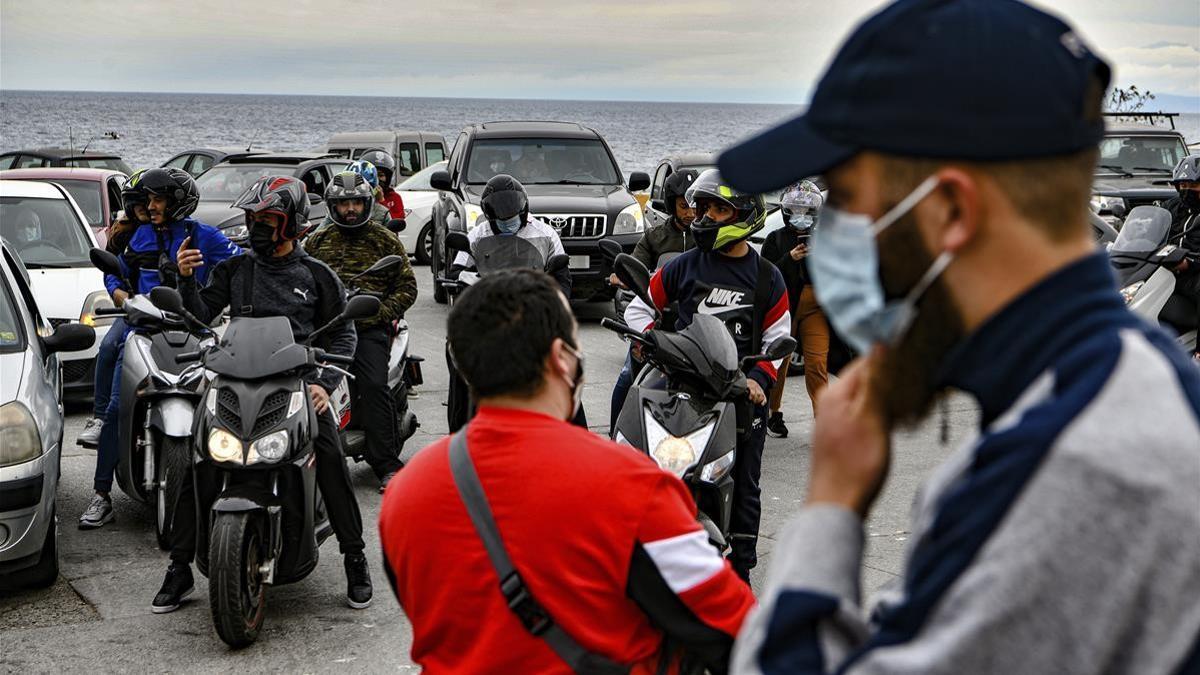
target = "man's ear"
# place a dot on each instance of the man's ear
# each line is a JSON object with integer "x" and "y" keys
{"x": 559, "y": 361}
{"x": 954, "y": 211}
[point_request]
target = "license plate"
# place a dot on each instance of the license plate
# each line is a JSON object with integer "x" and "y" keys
{"x": 580, "y": 262}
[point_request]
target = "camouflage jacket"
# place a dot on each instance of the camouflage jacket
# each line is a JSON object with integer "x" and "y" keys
{"x": 349, "y": 253}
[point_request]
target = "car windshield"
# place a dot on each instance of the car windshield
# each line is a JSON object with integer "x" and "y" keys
{"x": 45, "y": 232}
{"x": 11, "y": 335}
{"x": 86, "y": 194}
{"x": 542, "y": 161}
{"x": 420, "y": 179}
{"x": 1121, "y": 155}
{"x": 227, "y": 182}
{"x": 111, "y": 163}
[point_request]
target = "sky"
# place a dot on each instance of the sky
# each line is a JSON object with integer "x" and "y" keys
{"x": 666, "y": 50}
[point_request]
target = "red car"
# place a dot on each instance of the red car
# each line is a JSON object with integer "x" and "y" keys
{"x": 96, "y": 191}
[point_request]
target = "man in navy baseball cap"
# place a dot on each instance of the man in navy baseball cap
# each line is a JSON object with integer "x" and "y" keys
{"x": 958, "y": 140}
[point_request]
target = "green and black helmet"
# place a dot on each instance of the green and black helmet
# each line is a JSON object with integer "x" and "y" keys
{"x": 713, "y": 236}
{"x": 132, "y": 192}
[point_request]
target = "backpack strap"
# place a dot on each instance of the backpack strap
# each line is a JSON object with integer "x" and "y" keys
{"x": 248, "y": 265}
{"x": 533, "y": 616}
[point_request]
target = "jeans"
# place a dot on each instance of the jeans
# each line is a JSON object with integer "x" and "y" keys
{"x": 106, "y": 361}
{"x": 621, "y": 389}
{"x": 372, "y": 407}
{"x": 747, "y": 495}
{"x": 108, "y": 451}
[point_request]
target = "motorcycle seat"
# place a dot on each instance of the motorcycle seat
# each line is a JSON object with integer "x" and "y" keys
{"x": 1180, "y": 313}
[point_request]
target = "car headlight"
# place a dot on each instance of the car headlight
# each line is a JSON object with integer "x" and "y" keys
{"x": 224, "y": 446}
{"x": 1103, "y": 204}
{"x": 20, "y": 440}
{"x": 630, "y": 220}
{"x": 674, "y": 453}
{"x": 475, "y": 216}
{"x": 94, "y": 301}
{"x": 718, "y": 468}
{"x": 1130, "y": 292}
{"x": 270, "y": 448}
{"x": 235, "y": 231}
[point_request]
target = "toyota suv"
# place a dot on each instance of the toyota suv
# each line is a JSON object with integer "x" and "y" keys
{"x": 574, "y": 185}
{"x": 1136, "y": 161}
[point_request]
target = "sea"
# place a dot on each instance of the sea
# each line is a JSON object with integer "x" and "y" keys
{"x": 150, "y": 128}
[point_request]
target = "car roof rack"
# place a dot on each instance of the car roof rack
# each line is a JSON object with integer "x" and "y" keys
{"x": 1149, "y": 117}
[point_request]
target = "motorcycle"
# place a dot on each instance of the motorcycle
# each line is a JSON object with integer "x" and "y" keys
{"x": 404, "y": 372}
{"x": 496, "y": 253}
{"x": 682, "y": 410}
{"x": 1143, "y": 261}
{"x": 158, "y": 402}
{"x": 621, "y": 299}
{"x": 261, "y": 518}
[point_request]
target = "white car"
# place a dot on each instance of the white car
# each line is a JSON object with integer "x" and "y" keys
{"x": 419, "y": 198}
{"x": 50, "y": 234}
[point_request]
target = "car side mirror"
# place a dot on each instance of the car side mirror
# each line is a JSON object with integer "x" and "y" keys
{"x": 397, "y": 225}
{"x": 635, "y": 276}
{"x": 638, "y": 181}
{"x": 314, "y": 199}
{"x": 167, "y": 299}
{"x": 105, "y": 262}
{"x": 69, "y": 337}
{"x": 557, "y": 263}
{"x": 440, "y": 180}
{"x": 610, "y": 249}
{"x": 458, "y": 241}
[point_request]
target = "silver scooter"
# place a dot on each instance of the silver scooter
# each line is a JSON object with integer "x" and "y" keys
{"x": 1143, "y": 260}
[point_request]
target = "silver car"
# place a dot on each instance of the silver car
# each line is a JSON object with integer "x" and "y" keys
{"x": 31, "y": 427}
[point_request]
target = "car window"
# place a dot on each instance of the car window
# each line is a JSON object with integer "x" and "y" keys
{"x": 660, "y": 178}
{"x": 39, "y": 323}
{"x": 86, "y": 194}
{"x": 179, "y": 162}
{"x": 44, "y": 231}
{"x": 200, "y": 164}
{"x": 314, "y": 181}
{"x": 1140, "y": 154}
{"x": 114, "y": 198}
{"x": 420, "y": 179}
{"x": 408, "y": 159}
{"x": 226, "y": 182}
{"x": 29, "y": 162}
{"x": 434, "y": 152}
{"x": 99, "y": 163}
{"x": 6, "y": 162}
{"x": 12, "y": 332}
{"x": 545, "y": 161}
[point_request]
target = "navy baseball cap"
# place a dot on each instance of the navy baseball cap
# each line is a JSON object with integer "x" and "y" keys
{"x": 973, "y": 80}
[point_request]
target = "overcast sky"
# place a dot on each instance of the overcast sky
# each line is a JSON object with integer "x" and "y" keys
{"x": 694, "y": 50}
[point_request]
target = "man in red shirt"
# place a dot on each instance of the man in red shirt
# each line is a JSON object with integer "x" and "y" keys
{"x": 385, "y": 167}
{"x": 605, "y": 541}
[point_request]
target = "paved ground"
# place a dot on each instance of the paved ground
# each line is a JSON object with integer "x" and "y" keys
{"x": 97, "y": 616}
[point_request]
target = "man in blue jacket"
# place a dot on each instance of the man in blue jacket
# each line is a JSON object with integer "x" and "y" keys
{"x": 149, "y": 261}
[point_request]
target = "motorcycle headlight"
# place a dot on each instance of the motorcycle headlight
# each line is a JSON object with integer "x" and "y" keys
{"x": 674, "y": 453}
{"x": 224, "y": 446}
{"x": 718, "y": 468}
{"x": 270, "y": 448}
{"x": 630, "y": 220}
{"x": 20, "y": 440}
{"x": 94, "y": 301}
{"x": 1130, "y": 292}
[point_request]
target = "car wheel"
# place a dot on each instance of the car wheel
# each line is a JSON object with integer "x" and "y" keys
{"x": 440, "y": 295}
{"x": 424, "y": 250}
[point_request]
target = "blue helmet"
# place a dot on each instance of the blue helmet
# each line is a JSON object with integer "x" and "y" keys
{"x": 367, "y": 171}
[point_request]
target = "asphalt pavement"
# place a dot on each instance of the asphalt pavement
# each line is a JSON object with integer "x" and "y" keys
{"x": 97, "y": 616}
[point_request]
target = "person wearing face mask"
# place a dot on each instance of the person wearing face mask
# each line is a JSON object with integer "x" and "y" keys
{"x": 350, "y": 245}
{"x": 277, "y": 278}
{"x": 1185, "y": 229}
{"x": 611, "y": 568}
{"x": 724, "y": 277}
{"x": 954, "y": 252}
{"x": 148, "y": 261}
{"x": 787, "y": 248}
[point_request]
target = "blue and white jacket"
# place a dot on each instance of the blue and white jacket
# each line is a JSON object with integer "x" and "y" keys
{"x": 146, "y": 245}
{"x": 1064, "y": 539}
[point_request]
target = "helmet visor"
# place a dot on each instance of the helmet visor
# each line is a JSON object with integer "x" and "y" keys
{"x": 506, "y": 203}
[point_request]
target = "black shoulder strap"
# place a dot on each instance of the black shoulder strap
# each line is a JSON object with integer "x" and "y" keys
{"x": 533, "y": 616}
{"x": 248, "y": 265}
{"x": 762, "y": 297}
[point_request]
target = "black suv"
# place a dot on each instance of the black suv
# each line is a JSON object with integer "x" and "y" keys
{"x": 1136, "y": 161}
{"x": 226, "y": 181}
{"x": 574, "y": 185}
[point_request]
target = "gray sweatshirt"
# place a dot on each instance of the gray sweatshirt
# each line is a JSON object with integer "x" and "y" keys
{"x": 1064, "y": 539}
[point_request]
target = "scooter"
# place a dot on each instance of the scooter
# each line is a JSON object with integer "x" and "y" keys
{"x": 404, "y": 372}
{"x": 261, "y": 519}
{"x": 1143, "y": 261}
{"x": 621, "y": 299}
{"x": 158, "y": 402}
{"x": 493, "y": 254}
{"x": 682, "y": 409}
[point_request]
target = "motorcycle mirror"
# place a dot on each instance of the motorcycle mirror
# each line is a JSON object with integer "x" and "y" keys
{"x": 397, "y": 225}
{"x": 458, "y": 241}
{"x": 557, "y": 263}
{"x": 105, "y": 262}
{"x": 167, "y": 299}
{"x": 360, "y": 307}
{"x": 778, "y": 349}
{"x": 610, "y": 249}
{"x": 381, "y": 264}
{"x": 635, "y": 276}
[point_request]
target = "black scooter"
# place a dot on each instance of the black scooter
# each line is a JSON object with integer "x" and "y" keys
{"x": 260, "y": 515}
{"x": 682, "y": 410}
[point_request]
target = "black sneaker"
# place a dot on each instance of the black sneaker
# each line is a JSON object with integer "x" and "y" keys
{"x": 358, "y": 581}
{"x": 387, "y": 478}
{"x": 775, "y": 425}
{"x": 177, "y": 585}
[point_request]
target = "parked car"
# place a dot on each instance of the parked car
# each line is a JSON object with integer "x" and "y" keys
{"x": 413, "y": 150}
{"x": 656, "y": 210}
{"x": 574, "y": 185}
{"x": 42, "y": 157}
{"x": 48, "y": 232}
{"x": 1135, "y": 164}
{"x": 419, "y": 197}
{"x": 226, "y": 181}
{"x": 198, "y": 160}
{"x": 31, "y": 424}
{"x": 97, "y": 192}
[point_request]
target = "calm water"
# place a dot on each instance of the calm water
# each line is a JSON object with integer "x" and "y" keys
{"x": 153, "y": 127}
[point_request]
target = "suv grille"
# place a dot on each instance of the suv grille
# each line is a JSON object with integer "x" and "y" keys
{"x": 575, "y": 226}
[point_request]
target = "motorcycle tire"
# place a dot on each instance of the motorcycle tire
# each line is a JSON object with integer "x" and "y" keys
{"x": 171, "y": 467}
{"x": 236, "y": 592}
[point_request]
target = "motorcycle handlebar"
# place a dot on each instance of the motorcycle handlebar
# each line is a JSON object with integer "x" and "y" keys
{"x": 621, "y": 329}
{"x": 334, "y": 358}
{"x": 109, "y": 311}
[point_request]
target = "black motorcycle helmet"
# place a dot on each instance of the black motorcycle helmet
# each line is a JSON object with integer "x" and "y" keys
{"x": 750, "y": 212}
{"x": 383, "y": 161}
{"x": 676, "y": 186}
{"x": 177, "y": 186}
{"x": 133, "y": 193}
{"x": 504, "y": 197}
{"x": 282, "y": 195}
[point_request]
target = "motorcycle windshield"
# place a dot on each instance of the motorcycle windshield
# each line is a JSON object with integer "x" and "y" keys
{"x": 257, "y": 348}
{"x": 504, "y": 252}
{"x": 703, "y": 353}
{"x": 1144, "y": 230}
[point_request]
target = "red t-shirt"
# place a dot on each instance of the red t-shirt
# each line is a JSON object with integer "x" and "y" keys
{"x": 391, "y": 199}
{"x": 589, "y": 525}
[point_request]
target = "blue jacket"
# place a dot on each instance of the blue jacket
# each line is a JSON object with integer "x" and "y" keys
{"x": 145, "y": 247}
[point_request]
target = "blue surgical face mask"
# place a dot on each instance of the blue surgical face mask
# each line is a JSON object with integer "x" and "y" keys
{"x": 844, "y": 264}
{"x": 509, "y": 225}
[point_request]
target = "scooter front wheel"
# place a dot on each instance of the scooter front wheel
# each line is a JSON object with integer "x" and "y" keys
{"x": 171, "y": 468}
{"x": 236, "y": 592}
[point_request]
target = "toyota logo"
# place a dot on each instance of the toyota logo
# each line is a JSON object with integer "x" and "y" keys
{"x": 558, "y": 222}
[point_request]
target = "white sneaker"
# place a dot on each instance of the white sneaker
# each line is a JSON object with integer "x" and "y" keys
{"x": 90, "y": 436}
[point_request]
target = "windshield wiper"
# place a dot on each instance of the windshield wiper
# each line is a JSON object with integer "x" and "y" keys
{"x": 47, "y": 265}
{"x": 1117, "y": 169}
{"x": 1152, "y": 169}
{"x": 565, "y": 182}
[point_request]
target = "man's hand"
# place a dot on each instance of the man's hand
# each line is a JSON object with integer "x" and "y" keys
{"x": 755, "y": 391}
{"x": 614, "y": 281}
{"x": 320, "y": 397}
{"x": 851, "y": 448}
{"x": 188, "y": 259}
{"x": 1183, "y": 266}
{"x": 119, "y": 297}
{"x": 799, "y": 252}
